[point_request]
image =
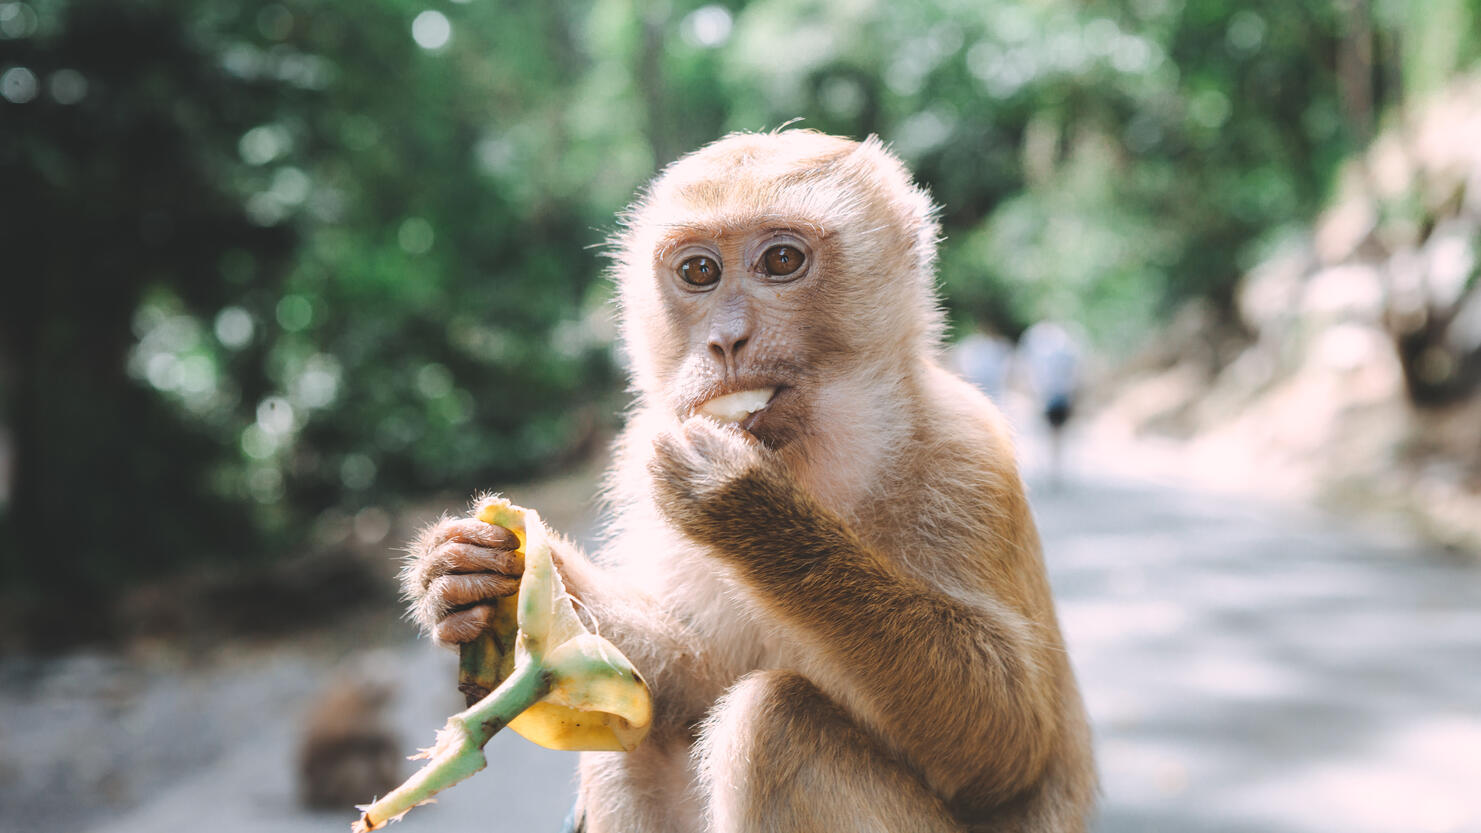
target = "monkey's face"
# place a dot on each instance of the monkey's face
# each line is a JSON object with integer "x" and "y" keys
{"x": 770, "y": 280}
{"x": 737, "y": 307}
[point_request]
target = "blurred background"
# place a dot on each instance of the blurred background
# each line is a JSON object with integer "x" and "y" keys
{"x": 282, "y": 281}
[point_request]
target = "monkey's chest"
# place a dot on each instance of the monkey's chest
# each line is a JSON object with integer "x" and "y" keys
{"x": 732, "y": 630}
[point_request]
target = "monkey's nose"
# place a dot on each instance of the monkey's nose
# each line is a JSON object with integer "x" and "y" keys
{"x": 730, "y": 328}
{"x": 726, "y": 350}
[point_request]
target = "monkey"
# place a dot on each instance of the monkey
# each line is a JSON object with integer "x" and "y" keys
{"x": 348, "y": 749}
{"x": 821, "y": 555}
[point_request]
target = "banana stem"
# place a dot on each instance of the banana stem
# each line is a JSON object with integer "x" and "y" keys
{"x": 458, "y": 752}
{"x": 480, "y": 663}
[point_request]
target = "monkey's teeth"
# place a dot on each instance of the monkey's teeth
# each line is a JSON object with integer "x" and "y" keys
{"x": 734, "y": 407}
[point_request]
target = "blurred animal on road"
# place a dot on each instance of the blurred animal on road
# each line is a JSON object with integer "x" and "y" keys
{"x": 348, "y": 750}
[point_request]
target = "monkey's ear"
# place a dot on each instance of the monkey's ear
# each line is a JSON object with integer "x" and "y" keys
{"x": 916, "y": 216}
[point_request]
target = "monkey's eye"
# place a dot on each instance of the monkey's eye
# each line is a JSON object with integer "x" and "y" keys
{"x": 699, "y": 271}
{"x": 782, "y": 260}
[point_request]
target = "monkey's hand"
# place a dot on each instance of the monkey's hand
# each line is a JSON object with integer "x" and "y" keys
{"x": 708, "y": 477}
{"x": 456, "y": 569}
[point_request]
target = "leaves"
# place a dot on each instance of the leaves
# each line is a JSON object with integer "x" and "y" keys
{"x": 313, "y": 255}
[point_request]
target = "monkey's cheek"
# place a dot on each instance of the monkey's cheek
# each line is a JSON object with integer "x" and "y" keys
{"x": 777, "y": 429}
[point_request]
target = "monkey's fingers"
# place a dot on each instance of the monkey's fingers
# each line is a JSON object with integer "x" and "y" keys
{"x": 712, "y": 439}
{"x": 464, "y": 626}
{"x": 723, "y": 451}
{"x": 674, "y": 466}
{"x": 474, "y": 531}
{"x": 463, "y": 590}
{"x": 459, "y": 559}
{"x": 471, "y": 558}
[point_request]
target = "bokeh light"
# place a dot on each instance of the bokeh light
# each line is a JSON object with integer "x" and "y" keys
{"x": 18, "y": 85}
{"x": 432, "y": 30}
{"x": 707, "y": 26}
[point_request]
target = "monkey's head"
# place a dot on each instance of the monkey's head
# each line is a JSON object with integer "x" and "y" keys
{"x": 793, "y": 268}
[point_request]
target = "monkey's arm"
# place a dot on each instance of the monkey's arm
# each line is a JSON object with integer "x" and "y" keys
{"x": 659, "y": 644}
{"x": 966, "y": 692}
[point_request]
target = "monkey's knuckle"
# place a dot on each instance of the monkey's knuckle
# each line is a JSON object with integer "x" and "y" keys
{"x": 445, "y": 593}
{"x": 447, "y": 634}
{"x": 676, "y": 468}
{"x": 427, "y": 613}
{"x": 446, "y": 556}
{"x": 735, "y": 470}
{"x": 673, "y": 492}
{"x": 440, "y": 531}
{"x": 667, "y": 446}
{"x": 658, "y": 471}
{"x": 415, "y": 577}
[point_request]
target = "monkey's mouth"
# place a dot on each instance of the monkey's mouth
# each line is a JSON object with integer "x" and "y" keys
{"x": 741, "y": 408}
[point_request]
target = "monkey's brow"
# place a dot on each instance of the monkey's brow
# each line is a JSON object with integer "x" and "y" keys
{"x": 676, "y": 233}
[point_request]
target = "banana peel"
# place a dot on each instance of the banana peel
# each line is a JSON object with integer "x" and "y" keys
{"x": 539, "y": 671}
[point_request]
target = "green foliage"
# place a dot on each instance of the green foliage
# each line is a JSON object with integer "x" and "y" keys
{"x": 271, "y": 260}
{"x": 278, "y": 259}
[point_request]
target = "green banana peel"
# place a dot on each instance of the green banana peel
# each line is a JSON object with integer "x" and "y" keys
{"x": 540, "y": 672}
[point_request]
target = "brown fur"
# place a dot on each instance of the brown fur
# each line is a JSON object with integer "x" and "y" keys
{"x": 844, "y": 615}
{"x": 348, "y": 751}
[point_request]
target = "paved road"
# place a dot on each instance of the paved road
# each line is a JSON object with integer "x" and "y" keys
{"x": 1248, "y": 668}
{"x": 1252, "y": 670}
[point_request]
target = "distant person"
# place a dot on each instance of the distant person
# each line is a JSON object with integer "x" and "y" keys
{"x": 1051, "y": 358}
{"x": 983, "y": 359}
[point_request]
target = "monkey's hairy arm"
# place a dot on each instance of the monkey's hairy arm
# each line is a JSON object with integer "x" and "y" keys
{"x": 664, "y": 649}
{"x": 960, "y": 689}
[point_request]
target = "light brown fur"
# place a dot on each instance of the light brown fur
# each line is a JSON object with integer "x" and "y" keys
{"x": 348, "y": 749}
{"x": 844, "y": 618}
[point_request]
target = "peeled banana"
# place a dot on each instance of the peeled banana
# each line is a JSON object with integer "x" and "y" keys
{"x": 540, "y": 672}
